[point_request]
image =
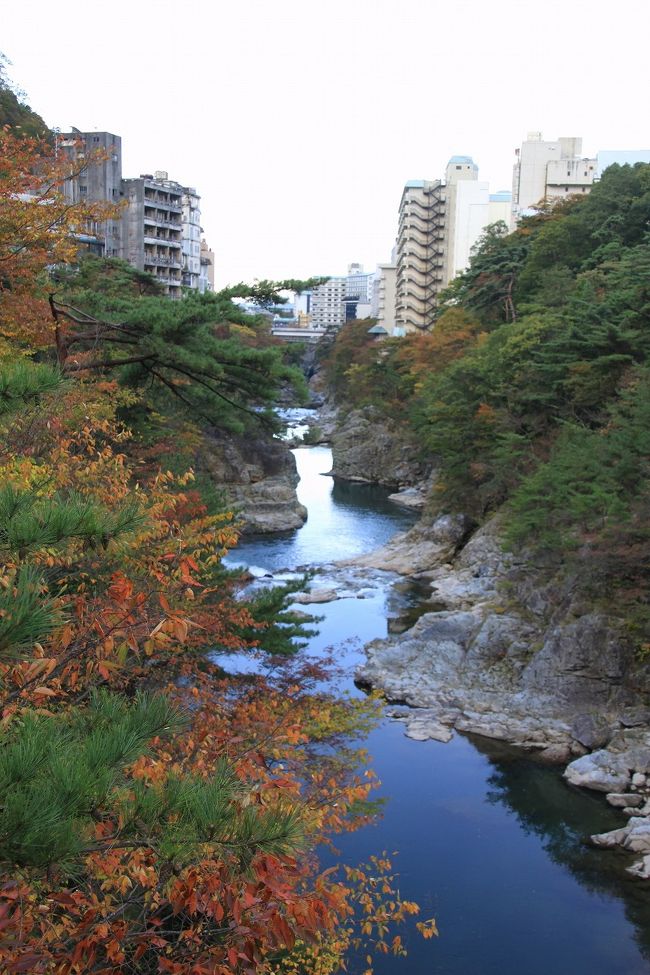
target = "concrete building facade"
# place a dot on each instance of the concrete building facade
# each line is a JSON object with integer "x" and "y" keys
{"x": 439, "y": 224}
{"x": 467, "y": 213}
{"x": 153, "y": 229}
{"x": 420, "y": 254}
{"x": 326, "y": 304}
{"x": 358, "y": 283}
{"x": 500, "y": 207}
{"x": 383, "y": 304}
{"x": 206, "y": 273}
{"x": 96, "y": 180}
{"x": 549, "y": 170}
{"x": 191, "y": 238}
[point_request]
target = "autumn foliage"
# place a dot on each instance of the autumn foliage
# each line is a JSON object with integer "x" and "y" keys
{"x": 156, "y": 815}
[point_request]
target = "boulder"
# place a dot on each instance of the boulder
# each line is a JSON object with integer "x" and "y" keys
{"x": 420, "y": 549}
{"x": 370, "y": 447}
{"x": 258, "y": 476}
{"x": 601, "y": 771}
{"x": 638, "y": 836}
{"x": 613, "y": 838}
{"x": 316, "y": 596}
{"x": 621, "y": 800}
{"x": 641, "y": 868}
{"x": 591, "y": 730}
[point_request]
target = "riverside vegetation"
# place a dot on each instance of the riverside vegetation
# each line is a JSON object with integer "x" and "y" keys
{"x": 532, "y": 394}
{"x": 156, "y": 815}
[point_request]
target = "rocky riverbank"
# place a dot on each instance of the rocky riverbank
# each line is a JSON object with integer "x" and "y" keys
{"x": 258, "y": 477}
{"x": 371, "y": 449}
{"x": 512, "y": 653}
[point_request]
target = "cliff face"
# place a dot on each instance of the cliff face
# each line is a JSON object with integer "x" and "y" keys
{"x": 368, "y": 447}
{"x": 258, "y": 476}
{"x": 510, "y": 652}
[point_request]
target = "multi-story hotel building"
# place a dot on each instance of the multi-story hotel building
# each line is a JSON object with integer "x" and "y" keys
{"x": 439, "y": 223}
{"x": 96, "y": 176}
{"x": 420, "y": 253}
{"x": 153, "y": 229}
{"x": 326, "y": 306}
{"x": 549, "y": 171}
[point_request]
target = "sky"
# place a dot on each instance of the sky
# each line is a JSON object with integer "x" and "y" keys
{"x": 300, "y": 121}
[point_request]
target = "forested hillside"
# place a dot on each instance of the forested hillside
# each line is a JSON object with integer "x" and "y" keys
{"x": 532, "y": 392}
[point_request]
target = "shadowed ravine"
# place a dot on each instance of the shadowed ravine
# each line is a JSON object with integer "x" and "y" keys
{"x": 489, "y": 842}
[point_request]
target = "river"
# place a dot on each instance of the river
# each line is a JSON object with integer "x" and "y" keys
{"x": 488, "y": 842}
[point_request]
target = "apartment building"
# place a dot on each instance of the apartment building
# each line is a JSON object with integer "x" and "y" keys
{"x": 191, "y": 238}
{"x": 206, "y": 273}
{"x": 420, "y": 253}
{"x": 96, "y": 176}
{"x": 153, "y": 229}
{"x": 359, "y": 283}
{"x": 439, "y": 223}
{"x": 383, "y": 300}
{"x": 468, "y": 213}
{"x": 326, "y": 307}
{"x": 549, "y": 171}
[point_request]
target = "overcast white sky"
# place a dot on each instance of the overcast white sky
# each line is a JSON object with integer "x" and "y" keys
{"x": 299, "y": 121}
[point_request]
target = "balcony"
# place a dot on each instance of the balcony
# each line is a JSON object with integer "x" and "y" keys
{"x": 156, "y": 261}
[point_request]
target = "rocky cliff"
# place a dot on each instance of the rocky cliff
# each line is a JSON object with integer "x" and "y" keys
{"x": 258, "y": 476}
{"x": 368, "y": 447}
{"x": 510, "y": 651}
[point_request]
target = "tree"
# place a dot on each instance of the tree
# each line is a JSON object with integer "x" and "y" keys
{"x": 156, "y": 815}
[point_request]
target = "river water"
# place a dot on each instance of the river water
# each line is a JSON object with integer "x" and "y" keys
{"x": 488, "y": 842}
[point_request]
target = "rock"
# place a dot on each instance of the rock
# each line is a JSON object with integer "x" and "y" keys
{"x": 638, "y": 837}
{"x": 368, "y": 446}
{"x": 554, "y": 754}
{"x": 412, "y": 498}
{"x": 581, "y": 661}
{"x": 316, "y": 596}
{"x": 633, "y": 717}
{"x": 591, "y": 730}
{"x": 641, "y": 868}
{"x": 639, "y": 780}
{"x": 259, "y": 477}
{"x": 623, "y": 799}
{"x": 425, "y": 728}
{"x": 614, "y": 838}
{"x": 419, "y": 549}
{"x": 600, "y": 770}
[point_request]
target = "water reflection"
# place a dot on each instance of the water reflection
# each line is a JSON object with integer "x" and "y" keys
{"x": 563, "y": 818}
{"x": 489, "y": 842}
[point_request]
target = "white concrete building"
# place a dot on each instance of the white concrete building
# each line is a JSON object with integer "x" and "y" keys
{"x": 500, "y": 207}
{"x": 358, "y": 283}
{"x": 439, "y": 223}
{"x": 383, "y": 305}
{"x": 549, "y": 170}
{"x": 467, "y": 213}
{"x": 326, "y": 304}
{"x": 206, "y": 274}
{"x": 191, "y": 238}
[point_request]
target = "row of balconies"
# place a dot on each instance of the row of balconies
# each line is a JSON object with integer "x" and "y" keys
{"x": 158, "y": 260}
{"x": 162, "y": 200}
{"x": 160, "y": 241}
{"x": 155, "y": 218}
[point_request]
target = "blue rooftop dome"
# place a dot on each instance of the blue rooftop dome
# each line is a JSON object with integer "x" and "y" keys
{"x": 467, "y": 160}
